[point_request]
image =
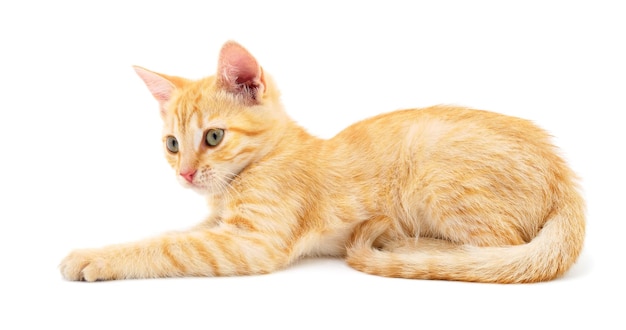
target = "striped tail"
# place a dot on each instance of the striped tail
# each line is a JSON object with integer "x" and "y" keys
{"x": 550, "y": 254}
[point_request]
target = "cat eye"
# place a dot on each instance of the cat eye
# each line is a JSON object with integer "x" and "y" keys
{"x": 214, "y": 137}
{"x": 171, "y": 144}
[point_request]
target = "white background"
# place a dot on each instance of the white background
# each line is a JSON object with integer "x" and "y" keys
{"x": 81, "y": 162}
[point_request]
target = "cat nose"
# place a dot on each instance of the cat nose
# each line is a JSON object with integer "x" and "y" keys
{"x": 188, "y": 175}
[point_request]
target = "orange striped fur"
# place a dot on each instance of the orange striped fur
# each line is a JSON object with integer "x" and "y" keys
{"x": 437, "y": 193}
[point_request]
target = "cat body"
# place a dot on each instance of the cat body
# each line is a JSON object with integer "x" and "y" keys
{"x": 437, "y": 193}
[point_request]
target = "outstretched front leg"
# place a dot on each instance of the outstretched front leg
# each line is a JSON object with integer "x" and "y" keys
{"x": 223, "y": 250}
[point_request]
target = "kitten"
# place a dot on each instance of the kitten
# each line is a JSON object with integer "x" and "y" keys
{"x": 437, "y": 193}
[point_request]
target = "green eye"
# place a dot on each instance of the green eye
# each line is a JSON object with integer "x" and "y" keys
{"x": 171, "y": 144}
{"x": 214, "y": 137}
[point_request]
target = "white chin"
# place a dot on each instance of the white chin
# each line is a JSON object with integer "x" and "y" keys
{"x": 199, "y": 189}
{"x": 202, "y": 190}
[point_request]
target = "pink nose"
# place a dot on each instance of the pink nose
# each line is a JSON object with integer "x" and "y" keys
{"x": 188, "y": 175}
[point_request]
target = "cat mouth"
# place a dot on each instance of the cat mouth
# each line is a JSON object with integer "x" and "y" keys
{"x": 208, "y": 188}
{"x": 210, "y": 185}
{"x": 196, "y": 186}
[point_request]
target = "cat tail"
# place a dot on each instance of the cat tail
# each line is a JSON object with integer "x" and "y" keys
{"x": 550, "y": 254}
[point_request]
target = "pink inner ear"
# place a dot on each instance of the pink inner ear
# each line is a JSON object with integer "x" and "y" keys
{"x": 160, "y": 87}
{"x": 238, "y": 68}
{"x": 246, "y": 68}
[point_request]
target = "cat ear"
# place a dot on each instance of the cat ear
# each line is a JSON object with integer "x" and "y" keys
{"x": 161, "y": 86}
{"x": 238, "y": 72}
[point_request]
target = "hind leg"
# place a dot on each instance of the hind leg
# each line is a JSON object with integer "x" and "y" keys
{"x": 383, "y": 233}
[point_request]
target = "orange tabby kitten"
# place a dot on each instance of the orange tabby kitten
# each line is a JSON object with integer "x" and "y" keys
{"x": 437, "y": 193}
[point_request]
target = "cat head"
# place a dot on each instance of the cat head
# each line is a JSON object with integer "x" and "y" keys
{"x": 215, "y": 127}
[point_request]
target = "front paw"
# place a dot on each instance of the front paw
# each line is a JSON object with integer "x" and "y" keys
{"x": 85, "y": 265}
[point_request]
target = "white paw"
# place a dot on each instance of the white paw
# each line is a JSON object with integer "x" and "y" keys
{"x": 85, "y": 265}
